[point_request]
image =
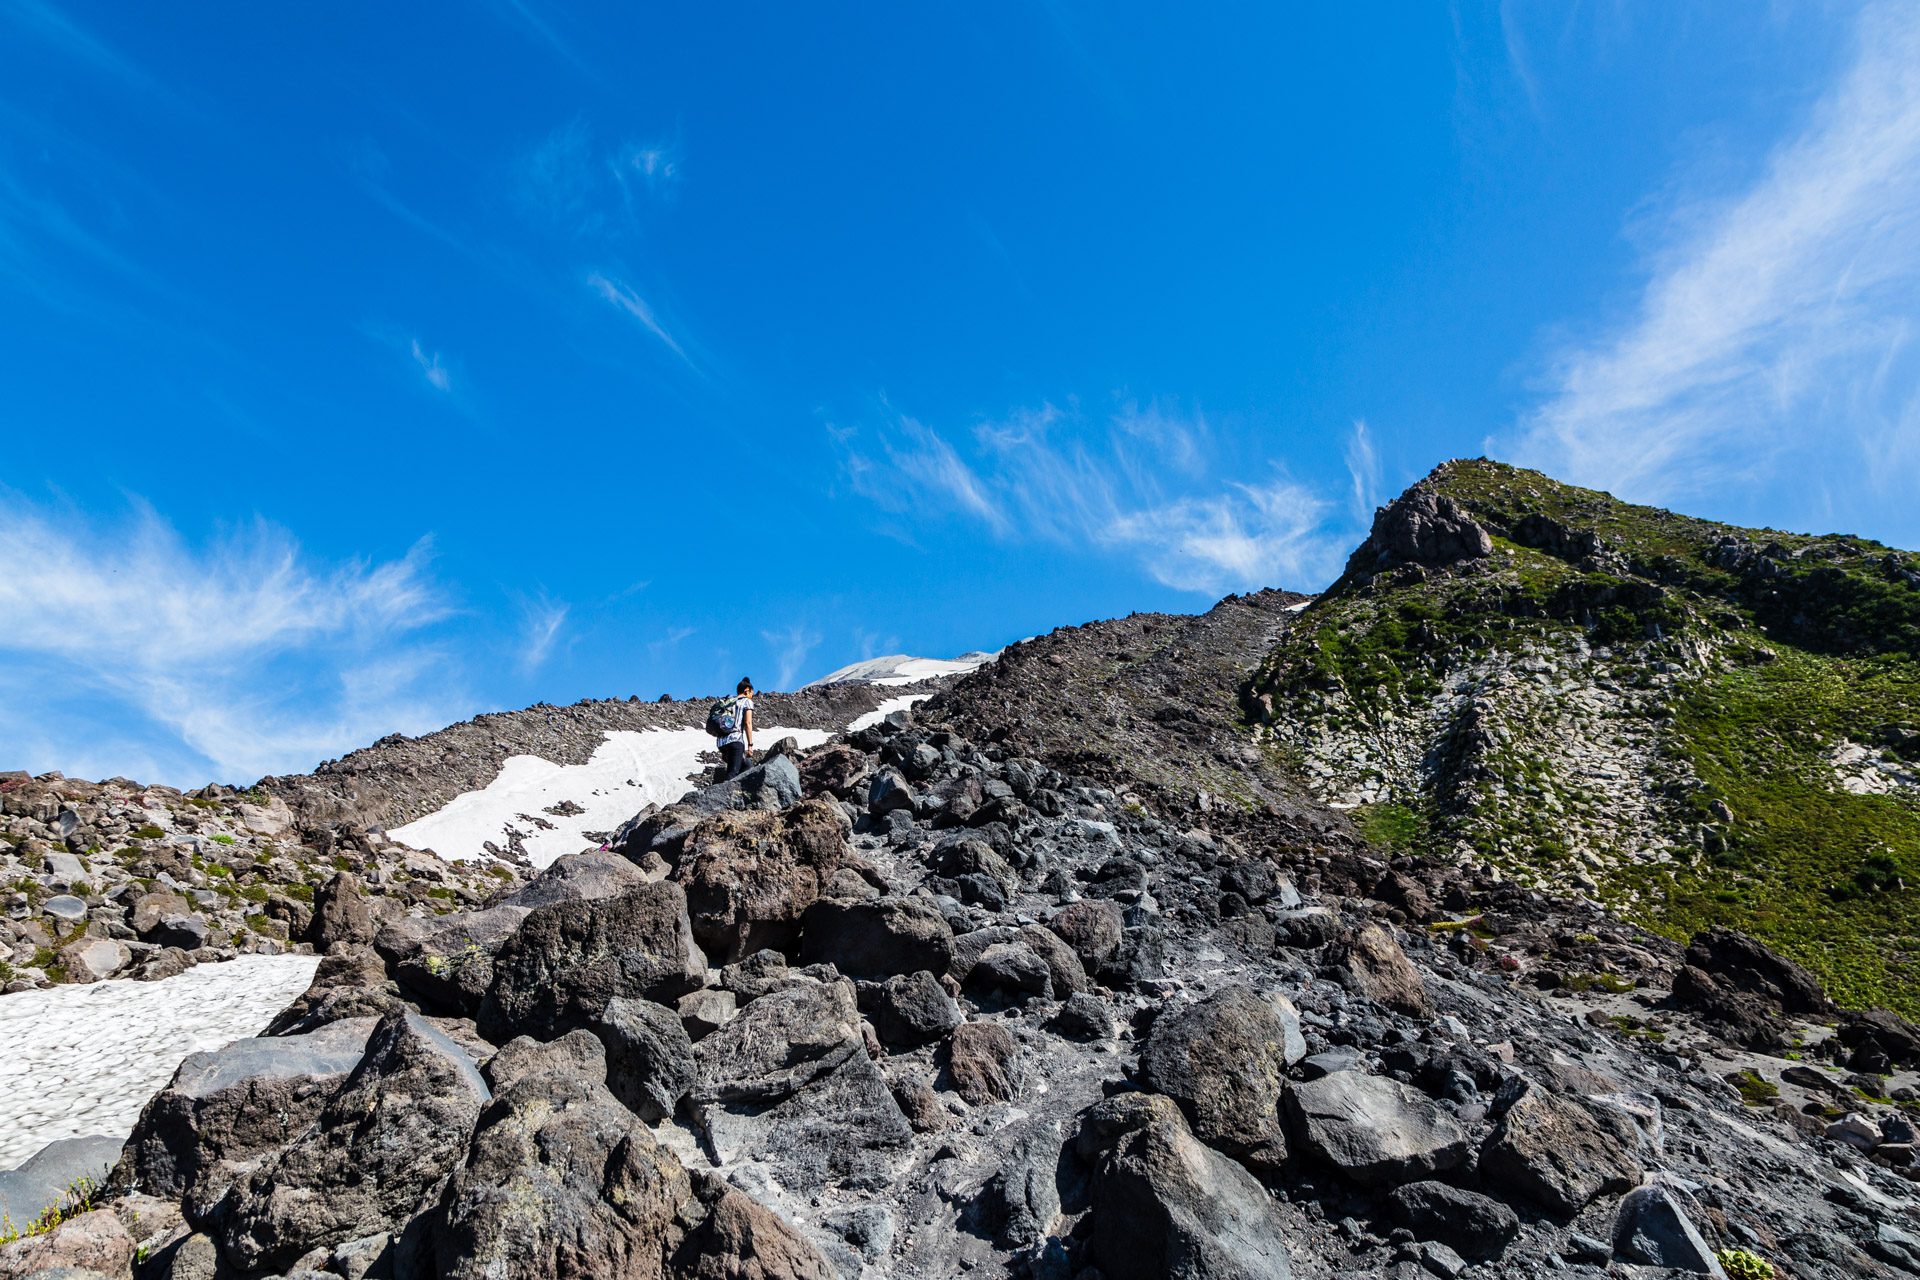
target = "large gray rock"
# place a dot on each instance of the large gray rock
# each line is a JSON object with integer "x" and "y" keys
{"x": 1652, "y": 1228}
{"x": 229, "y": 1105}
{"x": 1021, "y": 1201}
{"x": 750, "y": 877}
{"x": 186, "y": 930}
{"x": 350, "y": 983}
{"x": 1013, "y": 969}
{"x": 1224, "y": 1060}
{"x": 1375, "y": 1130}
{"x": 561, "y": 1181}
{"x": 1167, "y": 1207}
{"x": 779, "y": 1044}
{"x": 94, "y": 959}
{"x": 446, "y": 962}
{"x": 1371, "y": 964}
{"x": 1420, "y": 527}
{"x": 1476, "y": 1225}
{"x": 877, "y": 939}
{"x": 1092, "y": 928}
{"x": 44, "y": 1178}
{"x": 772, "y": 785}
{"x": 1553, "y": 1152}
{"x": 841, "y": 1126}
{"x": 910, "y": 1009}
{"x": 379, "y": 1149}
{"x": 738, "y": 1238}
{"x": 1067, "y": 974}
{"x": 341, "y": 914}
{"x": 568, "y": 958}
{"x": 577, "y": 877}
{"x": 649, "y": 1058}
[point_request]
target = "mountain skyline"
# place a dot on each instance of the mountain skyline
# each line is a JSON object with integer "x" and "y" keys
{"x": 366, "y": 374}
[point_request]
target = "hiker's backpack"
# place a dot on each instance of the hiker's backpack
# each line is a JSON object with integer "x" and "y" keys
{"x": 720, "y": 717}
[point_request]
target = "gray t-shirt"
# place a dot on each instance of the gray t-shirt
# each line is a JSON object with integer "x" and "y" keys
{"x": 741, "y": 705}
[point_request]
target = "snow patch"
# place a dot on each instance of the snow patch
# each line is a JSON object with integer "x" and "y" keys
{"x": 83, "y": 1060}
{"x": 886, "y": 709}
{"x": 901, "y": 668}
{"x": 1296, "y": 608}
{"x": 630, "y": 770}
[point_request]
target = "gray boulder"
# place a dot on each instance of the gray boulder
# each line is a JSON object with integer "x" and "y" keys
{"x": 578, "y": 877}
{"x": 561, "y": 1180}
{"x": 396, "y": 1127}
{"x": 888, "y": 792}
{"x": 759, "y": 974}
{"x": 1420, "y": 527}
{"x": 1092, "y": 928}
{"x": 649, "y": 1058}
{"x": 1652, "y": 1228}
{"x": 779, "y": 1044}
{"x": 1013, "y": 969}
{"x": 1371, "y": 964}
{"x": 44, "y": 1178}
{"x": 341, "y": 914}
{"x": 1375, "y": 1130}
{"x": 842, "y": 1125}
{"x": 187, "y": 931}
{"x": 1224, "y": 1060}
{"x": 1165, "y": 1205}
{"x": 1085, "y": 1017}
{"x": 910, "y": 1009}
{"x": 1476, "y": 1225}
{"x": 568, "y": 958}
{"x": 877, "y": 939}
{"x": 750, "y": 877}
{"x": 350, "y": 983}
{"x": 446, "y": 962}
{"x": 774, "y": 784}
{"x": 230, "y": 1105}
{"x": 1553, "y": 1152}
{"x": 738, "y": 1238}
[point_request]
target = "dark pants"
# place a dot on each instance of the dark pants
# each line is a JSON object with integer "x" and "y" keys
{"x": 737, "y": 758}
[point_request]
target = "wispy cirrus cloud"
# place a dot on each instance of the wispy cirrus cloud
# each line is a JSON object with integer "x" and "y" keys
{"x": 541, "y": 622}
{"x": 622, "y": 296}
{"x": 790, "y": 649}
{"x": 435, "y": 372}
{"x": 244, "y": 656}
{"x": 1774, "y": 341}
{"x": 1140, "y": 487}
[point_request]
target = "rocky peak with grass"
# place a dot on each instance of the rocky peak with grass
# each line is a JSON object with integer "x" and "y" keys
{"x": 1687, "y": 722}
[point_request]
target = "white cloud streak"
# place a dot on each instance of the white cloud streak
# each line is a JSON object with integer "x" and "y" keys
{"x": 241, "y": 658}
{"x": 1774, "y": 340}
{"x": 542, "y": 622}
{"x": 1031, "y": 479}
{"x": 430, "y": 365}
{"x": 634, "y": 305}
{"x": 790, "y": 650}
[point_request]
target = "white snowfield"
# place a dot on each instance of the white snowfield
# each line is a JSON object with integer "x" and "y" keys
{"x": 630, "y": 770}
{"x": 78, "y": 1060}
{"x": 84, "y": 1060}
{"x": 900, "y": 668}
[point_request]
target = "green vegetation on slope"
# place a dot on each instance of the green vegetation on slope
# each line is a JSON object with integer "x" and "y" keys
{"x": 1791, "y": 645}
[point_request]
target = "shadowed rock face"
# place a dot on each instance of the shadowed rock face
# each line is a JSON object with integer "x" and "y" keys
{"x": 561, "y": 1182}
{"x": 568, "y": 958}
{"x": 1420, "y": 527}
{"x": 399, "y": 1124}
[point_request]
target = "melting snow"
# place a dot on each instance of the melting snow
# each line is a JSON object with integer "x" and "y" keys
{"x": 84, "y": 1060}
{"x": 900, "y": 668}
{"x": 630, "y": 770}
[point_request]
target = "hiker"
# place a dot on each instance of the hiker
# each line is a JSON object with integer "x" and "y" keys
{"x": 734, "y": 718}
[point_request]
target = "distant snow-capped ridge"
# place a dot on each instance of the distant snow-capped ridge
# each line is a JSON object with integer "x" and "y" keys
{"x": 901, "y": 668}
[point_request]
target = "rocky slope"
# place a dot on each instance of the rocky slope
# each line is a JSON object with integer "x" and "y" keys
{"x": 1074, "y": 972}
{"x": 1691, "y": 723}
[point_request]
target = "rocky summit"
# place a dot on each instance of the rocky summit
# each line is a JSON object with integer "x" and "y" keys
{"x": 1531, "y": 903}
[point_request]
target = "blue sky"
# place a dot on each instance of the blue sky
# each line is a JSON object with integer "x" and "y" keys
{"x": 366, "y": 367}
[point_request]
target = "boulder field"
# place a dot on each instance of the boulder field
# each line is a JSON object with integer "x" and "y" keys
{"x": 918, "y": 1005}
